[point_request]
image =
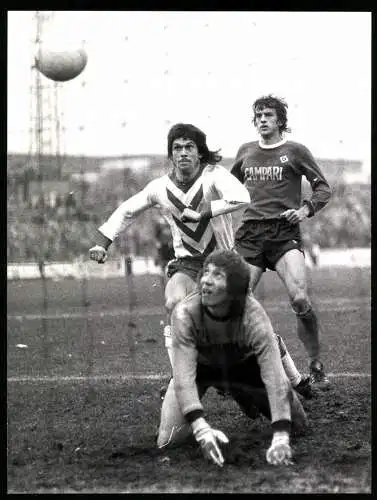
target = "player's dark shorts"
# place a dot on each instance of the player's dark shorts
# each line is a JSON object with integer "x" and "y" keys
{"x": 263, "y": 243}
{"x": 191, "y": 266}
{"x": 243, "y": 381}
{"x": 165, "y": 254}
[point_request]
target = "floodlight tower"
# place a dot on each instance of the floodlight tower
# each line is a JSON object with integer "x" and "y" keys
{"x": 46, "y": 117}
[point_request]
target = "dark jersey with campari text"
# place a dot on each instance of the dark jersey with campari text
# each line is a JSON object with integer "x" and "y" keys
{"x": 273, "y": 176}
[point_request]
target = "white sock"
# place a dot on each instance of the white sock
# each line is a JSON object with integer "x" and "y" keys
{"x": 168, "y": 342}
{"x": 293, "y": 374}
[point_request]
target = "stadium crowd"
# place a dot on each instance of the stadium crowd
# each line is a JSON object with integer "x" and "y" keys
{"x": 63, "y": 232}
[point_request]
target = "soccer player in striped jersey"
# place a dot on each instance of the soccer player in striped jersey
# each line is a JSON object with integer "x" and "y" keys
{"x": 224, "y": 338}
{"x": 269, "y": 235}
{"x": 196, "y": 198}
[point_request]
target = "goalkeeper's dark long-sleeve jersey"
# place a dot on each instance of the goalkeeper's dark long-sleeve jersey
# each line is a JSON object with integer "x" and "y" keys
{"x": 200, "y": 338}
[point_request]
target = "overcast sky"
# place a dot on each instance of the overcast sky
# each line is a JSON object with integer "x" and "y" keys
{"x": 149, "y": 70}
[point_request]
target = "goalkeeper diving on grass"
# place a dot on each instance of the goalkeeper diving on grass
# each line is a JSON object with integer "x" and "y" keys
{"x": 223, "y": 338}
{"x": 197, "y": 198}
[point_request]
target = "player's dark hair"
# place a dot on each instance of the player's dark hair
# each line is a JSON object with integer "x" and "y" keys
{"x": 237, "y": 274}
{"x": 280, "y": 106}
{"x": 188, "y": 131}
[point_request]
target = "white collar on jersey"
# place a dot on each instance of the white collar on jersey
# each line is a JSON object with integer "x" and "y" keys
{"x": 272, "y": 146}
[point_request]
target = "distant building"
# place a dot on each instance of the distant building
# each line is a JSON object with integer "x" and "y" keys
{"x": 137, "y": 163}
{"x": 88, "y": 177}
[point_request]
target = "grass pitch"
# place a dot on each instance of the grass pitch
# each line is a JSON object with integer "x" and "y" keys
{"x": 83, "y": 397}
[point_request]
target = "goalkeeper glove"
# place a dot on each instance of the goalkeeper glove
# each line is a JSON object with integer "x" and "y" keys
{"x": 208, "y": 439}
{"x": 98, "y": 253}
{"x": 280, "y": 452}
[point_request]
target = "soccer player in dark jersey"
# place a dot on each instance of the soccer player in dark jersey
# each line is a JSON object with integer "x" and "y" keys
{"x": 269, "y": 235}
{"x": 224, "y": 338}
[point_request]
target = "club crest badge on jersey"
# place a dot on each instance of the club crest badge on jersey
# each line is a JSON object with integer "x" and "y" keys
{"x": 283, "y": 159}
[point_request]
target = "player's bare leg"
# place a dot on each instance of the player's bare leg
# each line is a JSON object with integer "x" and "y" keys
{"x": 292, "y": 270}
{"x": 173, "y": 427}
{"x": 299, "y": 383}
{"x": 177, "y": 288}
{"x": 255, "y": 276}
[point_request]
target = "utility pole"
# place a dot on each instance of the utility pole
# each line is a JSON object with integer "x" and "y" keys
{"x": 46, "y": 114}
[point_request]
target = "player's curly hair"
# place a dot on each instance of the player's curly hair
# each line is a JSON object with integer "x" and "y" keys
{"x": 277, "y": 103}
{"x": 188, "y": 131}
{"x": 238, "y": 277}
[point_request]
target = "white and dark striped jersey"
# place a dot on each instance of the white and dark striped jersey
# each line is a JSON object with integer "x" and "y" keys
{"x": 213, "y": 190}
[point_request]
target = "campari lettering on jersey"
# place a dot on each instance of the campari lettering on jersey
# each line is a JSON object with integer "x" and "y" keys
{"x": 252, "y": 174}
